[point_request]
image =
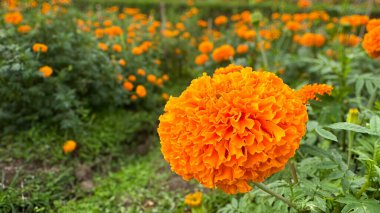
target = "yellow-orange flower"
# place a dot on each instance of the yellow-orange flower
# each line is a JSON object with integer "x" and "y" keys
{"x": 349, "y": 39}
{"x": 165, "y": 77}
{"x": 46, "y": 71}
{"x": 372, "y": 24}
{"x": 132, "y": 78}
{"x": 293, "y": 25}
{"x": 40, "y": 48}
{"x": 117, "y": 48}
{"x": 122, "y": 62}
{"x": 128, "y": 85}
{"x": 13, "y": 18}
{"x": 133, "y": 97}
{"x": 223, "y": 53}
{"x": 141, "y": 91}
{"x": 371, "y": 43}
{"x": 242, "y": 48}
{"x": 141, "y": 72}
{"x": 194, "y": 199}
{"x": 151, "y": 78}
{"x": 24, "y": 29}
{"x": 220, "y": 20}
{"x": 312, "y": 40}
{"x": 235, "y": 127}
{"x": 205, "y": 47}
{"x": 201, "y": 59}
{"x": 103, "y": 46}
{"x": 309, "y": 92}
{"x": 304, "y": 3}
{"x": 137, "y": 51}
{"x": 165, "y": 96}
{"x": 69, "y": 146}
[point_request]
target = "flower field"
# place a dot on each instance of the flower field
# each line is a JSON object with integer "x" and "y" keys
{"x": 189, "y": 106}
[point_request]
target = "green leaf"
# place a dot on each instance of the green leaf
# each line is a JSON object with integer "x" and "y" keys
{"x": 355, "y": 205}
{"x": 375, "y": 124}
{"x": 351, "y": 127}
{"x": 359, "y": 86}
{"x": 326, "y": 134}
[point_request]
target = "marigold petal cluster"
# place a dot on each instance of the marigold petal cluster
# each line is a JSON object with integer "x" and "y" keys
{"x": 371, "y": 43}
{"x": 223, "y": 53}
{"x": 309, "y": 92}
{"x": 235, "y": 127}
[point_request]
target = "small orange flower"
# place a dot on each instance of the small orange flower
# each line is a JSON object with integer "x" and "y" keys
{"x": 165, "y": 77}
{"x": 133, "y": 97}
{"x": 103, "y": 46}
{"x": 194, "y": 200}
{"x": 141, "y": 91}
{"x": 242, "y": 48}
{"x": 312, "y": 40}
{"x": 349, "y": 39}
{"x": 24, "y": 29}
{"x": 151, "y": 78}
{"x": 371, "y": 43}
{"x": 293, "y": 25}
{"x": 304, "y": 4}
{"x": 137, "y": 51}
{"x": 202, "y": 23}
{"x": 40, "y": 48}
{"x": 309, "y": 92}
{"x": 117, "y": 48}
{"x": 223, "y": 53}
{"x": 205, "y": 47}
{"x": 69, "y": 146}
{"x": 132, "y": 78}
{"x": 46, "y": 71}
{"x": 13, "y": 18}
{"x": 122, "y": 62}
{"x": 165, "y": 96}
{"x": 141, "y": 72}
{"x": 201, "y": 59}
{"x": 128, "y": 85}
{"x": 220, "y": 20}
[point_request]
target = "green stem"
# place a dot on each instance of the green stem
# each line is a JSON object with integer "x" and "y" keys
{"x": 293, "y": 171}
{"x": 269, "y": 191}
{"x": 350, "y": 141}
{"x": 262, "y": 51}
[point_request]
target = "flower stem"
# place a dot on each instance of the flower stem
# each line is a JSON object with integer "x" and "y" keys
{"x": 293, "y": 171}
{"x": 269, "y": 191}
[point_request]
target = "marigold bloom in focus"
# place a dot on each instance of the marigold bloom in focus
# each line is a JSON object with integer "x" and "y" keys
{"x": 205, "y": 47}
{"x": 141, "y": 91}
{"x": 309, "y": 92}
{"x": 223, "y": 53}
{"x": 201, "y": 59}
{"x": 194, "y": 200}
{"x": 235, "y": 127}
{"x": 46, "y": 71}
{"x": 242, "y": 48}
{"x": 24, "y": 29}
{"x": 40, "y": 48}
{"x": 371, "y": 43}
{"x": 69, "y": 146}
{"x": 13, "y": 18}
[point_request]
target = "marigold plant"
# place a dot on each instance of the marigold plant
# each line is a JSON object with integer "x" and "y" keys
{"x": 194, "y": 199}
{"x": 69, "y": 146}
{"x": 235, "y": 127}
{"x": 223, "y": 53}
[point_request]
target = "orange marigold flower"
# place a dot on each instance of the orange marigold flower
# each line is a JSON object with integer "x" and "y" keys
{"x": 293, "y": 25}
{"x": 132, "y": 78}
{"x": 371, "y": 43}
{"x": 141, "y": 72}
{"x": 24, "y": 29}
{"x": 312, "y": 40}
{"x": 242, "y": 48}
{"x": 165, "y": 96}
{"x": 194, "y": 200}
{"x": 151, "y": 78}
{"x": 137, "y": 51}
{"x": 103, "y": 46}
{"x": 201, "y": 59}
{"x": 69, "y": 146}
{"x": 46, "y": 71}
{"x": 128, "y": 85}
{"x": 13, "y": 18}
{"x": 133, "y": 97}
{"x": 165, "y": 77}
{"x": 122, "y": 62}
{"x": 372, "y": 24}
{"x": 309, "y": 92}
{"x": 235, "y": 127}
{"x": 223, "y": 53}
{"x": 220, "y": 20}
{"x": 40, "y": 48}
{"x": 117, "y": 48}
{"x": 202, "y": 23}
{"x": 304, "y": 3}
{"x": 205, "y": 47}
{"x": 349, "y": 39}
{"x": 141, "y": 91}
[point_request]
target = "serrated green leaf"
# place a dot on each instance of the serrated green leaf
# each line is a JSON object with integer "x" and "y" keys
{"x": 375, "y": 123}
